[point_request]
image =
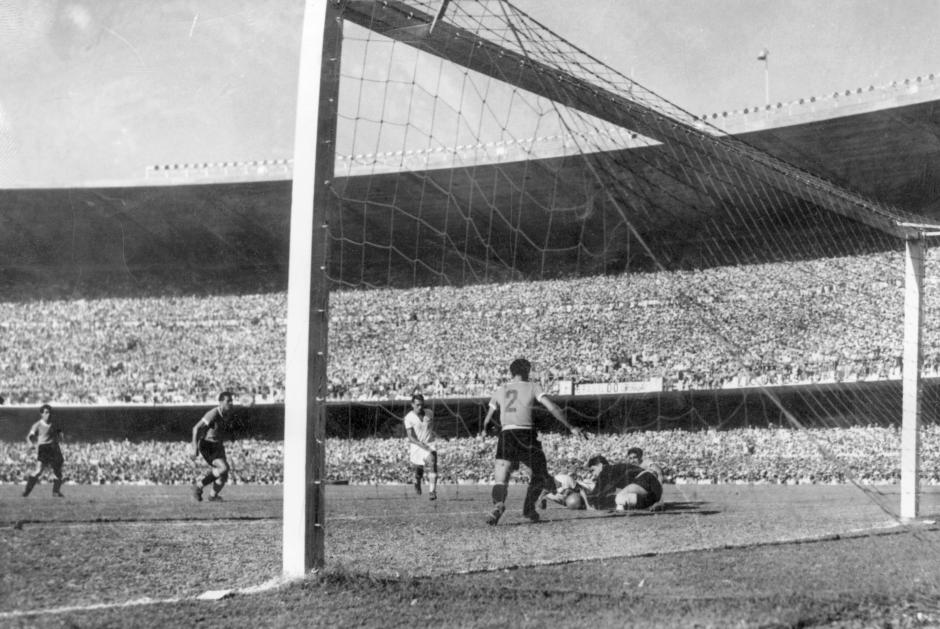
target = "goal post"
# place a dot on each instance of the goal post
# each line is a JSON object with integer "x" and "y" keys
{"x": 308, "y": 290}
{"x": 914, "y": 254}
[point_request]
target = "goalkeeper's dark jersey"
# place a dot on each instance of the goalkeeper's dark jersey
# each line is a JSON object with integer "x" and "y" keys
{"x": 611, "y": 480}
{"x": 213, "y": 422}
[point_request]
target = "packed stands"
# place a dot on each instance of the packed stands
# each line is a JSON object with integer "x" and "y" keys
{"x": 863, "y": 454}
{"x": 803, "y": 322}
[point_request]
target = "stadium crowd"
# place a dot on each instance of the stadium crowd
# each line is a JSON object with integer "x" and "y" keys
{"x": 816, "y": 321}
{"x": 864, "y": 455}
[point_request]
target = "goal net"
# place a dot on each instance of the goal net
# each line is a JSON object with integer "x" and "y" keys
{"x": 498, "y": 192}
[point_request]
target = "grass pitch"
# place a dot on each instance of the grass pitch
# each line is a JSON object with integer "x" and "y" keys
{"x": 719, "y": 555}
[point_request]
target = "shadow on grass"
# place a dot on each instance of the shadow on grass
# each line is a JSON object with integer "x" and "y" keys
{"x": 671, "y": 508}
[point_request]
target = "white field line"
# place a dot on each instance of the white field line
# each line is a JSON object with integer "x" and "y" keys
{"x": 51, "y": 611}
{"x": 272, "y": 584}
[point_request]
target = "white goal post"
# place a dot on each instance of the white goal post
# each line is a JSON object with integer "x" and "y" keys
{"x": 914, "y": 254}
{"x": 308, "y": 293}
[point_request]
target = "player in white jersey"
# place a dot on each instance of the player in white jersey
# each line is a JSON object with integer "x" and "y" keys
{"x": 419, "y": 431}
{"x": 45, "y": 434}
{"x": 518, "y": 439}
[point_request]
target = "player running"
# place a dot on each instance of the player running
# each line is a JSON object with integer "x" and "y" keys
{"x": 419, "y": 432}
{"x": 46, "y": 435}
{"x": 518, "y": 439}
{"x": 207, "y": 441}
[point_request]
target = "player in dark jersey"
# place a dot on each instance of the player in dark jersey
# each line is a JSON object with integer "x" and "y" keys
{"x": 622, "y": 486}
{"x": 616, "y": 486}
{"x": 46, "y": 435}
{"x": 207, "y": 442}
{"x": 646, "y": 490}
{"x": 518, "y": 440}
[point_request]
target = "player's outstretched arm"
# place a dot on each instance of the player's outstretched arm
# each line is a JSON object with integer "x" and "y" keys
{"x": 487, "y": 420}
{"x": 559, "y": 414}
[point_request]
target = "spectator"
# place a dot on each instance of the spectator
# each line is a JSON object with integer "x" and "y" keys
{"x": 837, "y": 319}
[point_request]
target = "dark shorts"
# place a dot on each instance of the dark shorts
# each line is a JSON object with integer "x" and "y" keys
{"x": 518, "y": 445}
{"x": 654, "y": 489}
{"x": 50, "y": 454}
{"x": 523, "y": 446}
{"x": 211, "y": 450}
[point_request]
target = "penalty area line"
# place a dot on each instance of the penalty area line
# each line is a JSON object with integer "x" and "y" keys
{"x": 210, "y": 595}
{"x": 53, "y": 611}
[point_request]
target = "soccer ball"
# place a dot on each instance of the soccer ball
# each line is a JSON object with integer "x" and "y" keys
{"x": 574, "y": 502}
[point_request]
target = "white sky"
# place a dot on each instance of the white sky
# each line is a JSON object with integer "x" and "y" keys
{"x": 95, "y": 91}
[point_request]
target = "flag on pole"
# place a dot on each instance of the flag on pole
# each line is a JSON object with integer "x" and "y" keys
{"x": 762, "y": 55}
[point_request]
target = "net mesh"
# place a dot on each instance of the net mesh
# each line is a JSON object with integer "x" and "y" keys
{"x": 503, "y": 193}
{"x": 500, "y": 193}
{"x": 657, "y": 251}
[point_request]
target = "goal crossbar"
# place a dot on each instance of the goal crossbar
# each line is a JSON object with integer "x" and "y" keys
{"x": 409, "y": 25}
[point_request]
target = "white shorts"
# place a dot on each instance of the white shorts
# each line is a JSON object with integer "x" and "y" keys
{"x": 565, "y": 483}
{"x": 419, "y": 456}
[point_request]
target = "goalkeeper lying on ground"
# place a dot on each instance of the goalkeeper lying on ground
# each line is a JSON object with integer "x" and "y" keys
{"x": 617, "y": 486}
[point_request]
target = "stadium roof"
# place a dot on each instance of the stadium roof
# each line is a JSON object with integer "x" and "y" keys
{"x": 872, "y": 152}
{"x": 880, "y": 143}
